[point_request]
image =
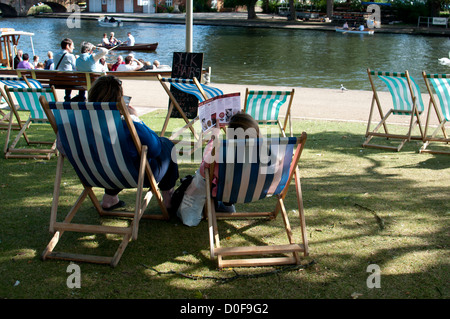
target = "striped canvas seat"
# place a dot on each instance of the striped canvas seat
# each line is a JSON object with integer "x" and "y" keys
{"x": 27, "y": 100}
{"x": 251, "y": 170}
{"x": 441, "y": 86}
{"x": 190, "y": 86}
{"x": 406, "y": 100}
{"x": 15, "y": 82}
{"x": 92, "y": 137}
{"x": 264, "y": 106}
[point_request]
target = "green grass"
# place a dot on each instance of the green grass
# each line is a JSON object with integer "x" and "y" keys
{"x": 363, "y": 206}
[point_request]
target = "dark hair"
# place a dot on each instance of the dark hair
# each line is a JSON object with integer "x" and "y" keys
{"x": 128, "y": 59}
{"x": 25, "y": 56}
{"x": 65, "y": 43}
{"x": 106, "y": 88}
{"x": 246, "y": 122}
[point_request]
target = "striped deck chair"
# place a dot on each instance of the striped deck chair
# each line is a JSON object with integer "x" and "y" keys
{"x": 5, "y": 110}
{"x": 248, "y": 172}
{"x": 28, "y": 100}
{"x": 441, "y": 85}
{"x": 264, "y": 106}
{"x": 92, "y": 137}
{"x": 191, "y": 86}
{"x": 406, "y": 100}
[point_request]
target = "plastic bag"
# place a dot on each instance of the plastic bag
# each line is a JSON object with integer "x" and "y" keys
{"x": 191, "y": 208}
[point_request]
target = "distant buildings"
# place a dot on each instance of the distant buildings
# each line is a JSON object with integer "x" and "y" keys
{"x": 138, "y": 6}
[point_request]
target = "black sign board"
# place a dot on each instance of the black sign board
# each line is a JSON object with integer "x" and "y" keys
{"x": 186, "y": 66}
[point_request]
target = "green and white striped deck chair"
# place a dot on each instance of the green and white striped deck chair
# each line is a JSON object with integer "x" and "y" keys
{"x": 250, "y": 170}
{"x": 264, "y": 107}
{"x": 28, "y": 100}
{"x": 441, "y": 85}
{"x": 5, "y": 110}
{"x": 406, "y": 100}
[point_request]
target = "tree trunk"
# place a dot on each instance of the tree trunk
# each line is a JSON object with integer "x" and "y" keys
{"x": 251, "y": 12}
{"x": 292, "y": 13}
{"x": 329, "y": 8}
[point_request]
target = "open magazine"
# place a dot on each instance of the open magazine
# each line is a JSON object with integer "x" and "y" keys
{"x": 218, "y": 110}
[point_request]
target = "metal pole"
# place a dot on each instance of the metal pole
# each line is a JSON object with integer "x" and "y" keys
{"x": 189, "y": 23}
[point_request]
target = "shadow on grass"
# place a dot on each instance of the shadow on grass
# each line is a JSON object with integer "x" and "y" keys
{"x": 363, "y": 206}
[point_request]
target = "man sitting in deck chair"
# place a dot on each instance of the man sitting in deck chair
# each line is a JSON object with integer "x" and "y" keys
{"x": 111, "y": 149}
{"x": 406, "y": 99}
{"x": 441, "y": 85}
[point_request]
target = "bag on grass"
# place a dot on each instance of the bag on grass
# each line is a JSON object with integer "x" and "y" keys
{"x": 191, "y": 208}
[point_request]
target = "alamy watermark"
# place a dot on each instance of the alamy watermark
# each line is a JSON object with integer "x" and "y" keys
{"x": 374, "y": 279}
{"x": 74, "y": 279}
{"x": 74, "y": 20}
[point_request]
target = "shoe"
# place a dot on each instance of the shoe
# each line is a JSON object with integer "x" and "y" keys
{"x": 223, "y": 208}
{"x": 120, "y": 204}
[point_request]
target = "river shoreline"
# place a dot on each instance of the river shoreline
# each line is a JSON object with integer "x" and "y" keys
{"x": 239, "y": 19}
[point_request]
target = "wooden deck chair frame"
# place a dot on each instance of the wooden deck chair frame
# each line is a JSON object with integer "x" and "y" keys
{"x": 142, "y": 201}
{"x": 275, "y": 120}
{"x": 441, "y": 84}
{"x": 27, "y": 99}
{"x": 5, "y": 110}
{"x": 202, "y": 95}
{"x": 413, "y": 110}
{"x": 291, "y": 248}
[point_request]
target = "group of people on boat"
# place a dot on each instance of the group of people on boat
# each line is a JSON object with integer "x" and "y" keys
{"x": 354, "y": 27}
{"x": 112, "y": 41}
{"x": 22, "y": 61}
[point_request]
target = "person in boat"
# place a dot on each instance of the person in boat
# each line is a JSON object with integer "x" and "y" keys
{"x": 345, "y": 27}
{"x": 105, "y": 41}
{"x": 88, "y": 61}
{"x": 25, "y": 63}
{"x": 147, "y": 65}
{"x": 128, "y": 66}
{"x": 361, "y": 27}
{"x": 130, "y": 40}
{"x": 119, "y": 62}
{"x": 112, "y": 39}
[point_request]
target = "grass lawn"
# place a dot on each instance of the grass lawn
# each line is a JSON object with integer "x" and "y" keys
{"x": 363, "y": 207}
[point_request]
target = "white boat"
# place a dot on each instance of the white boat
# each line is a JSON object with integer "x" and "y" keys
{"x": 365, "y": 31}
{"x": 106, "y": 22}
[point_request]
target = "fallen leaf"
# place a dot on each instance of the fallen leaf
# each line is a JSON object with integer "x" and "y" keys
{"x": 355, "y": 295}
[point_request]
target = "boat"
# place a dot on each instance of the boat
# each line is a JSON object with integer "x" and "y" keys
{"x": 9, "y": 40}
{"x": 135, "y": 47}
{"x": 106, "y": 22}
{"x": 355, "y": 31}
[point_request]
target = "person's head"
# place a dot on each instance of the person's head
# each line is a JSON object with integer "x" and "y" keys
{"x": 40, "y": 65}
{"x": 50, "y": 54}
{"x": 105, "y": 35}
{"x": 156, "y": 63}
{"x": 120, "y": 59}
{"x": 129, "y": 33}
{"x": 86, "y": 47}
{"x": 242, "y": 125}
{"x": 67, "y": 44}
{"x": 19, "y": 53}
{"x": 128, "y": 59}
{"x": 25, "y": 57}
{"x": 106, "y": 88}
{"x": 111, "y": 34}
{"x": 102, "y": 61}
{"x": 35, "y": 58}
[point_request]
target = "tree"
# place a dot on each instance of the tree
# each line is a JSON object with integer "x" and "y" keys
{"x": 292, "y": 14}
{"x": 251, "y": 13}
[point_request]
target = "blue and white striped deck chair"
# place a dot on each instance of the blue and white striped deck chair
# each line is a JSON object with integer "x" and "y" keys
{"x": 92, "y": 137}
{"x": 264, "y": 107}
{"x": 190, "y": 86}
{"x": 251, "y": 170}
{"x": 406, "y": 100}
{"x": 28, "y": 100}
{"x": 5, "y": 110}
{"x": 441, "y": 85}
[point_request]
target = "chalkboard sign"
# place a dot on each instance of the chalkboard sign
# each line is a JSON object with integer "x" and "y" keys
{"x": 186, "y": 66}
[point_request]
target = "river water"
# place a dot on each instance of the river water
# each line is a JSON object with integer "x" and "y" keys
{"x": 297, "y": 58}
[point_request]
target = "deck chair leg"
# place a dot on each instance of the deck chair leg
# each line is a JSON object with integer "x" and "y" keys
{"x": 287, "y": 227}
{"x": 301, "y": 211}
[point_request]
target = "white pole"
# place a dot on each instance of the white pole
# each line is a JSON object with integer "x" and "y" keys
{"x": 189, "y": 23}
